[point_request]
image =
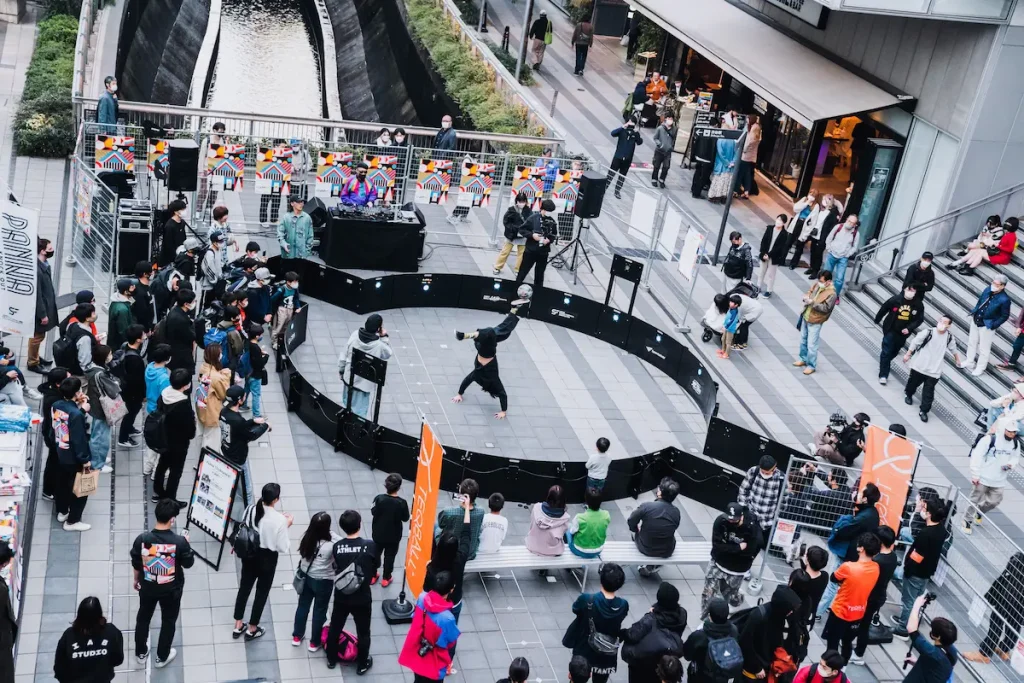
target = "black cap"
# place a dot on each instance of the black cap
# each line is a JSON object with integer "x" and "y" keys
{"x": 734, "y": 512}
{"x": 928, "y": 256}
{"x": 373, "y": 323}
{"x": 235, "y": 393}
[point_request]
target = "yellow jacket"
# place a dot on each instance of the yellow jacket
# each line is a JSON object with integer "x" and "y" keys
{"x": 823, "y": 301}
{"x": 219, "y": 382}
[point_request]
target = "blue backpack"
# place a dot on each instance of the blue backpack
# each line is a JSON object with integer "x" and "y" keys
{"x": 215, "y": 335}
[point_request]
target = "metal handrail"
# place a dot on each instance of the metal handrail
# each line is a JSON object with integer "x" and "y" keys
{"x": 868, "y": 251}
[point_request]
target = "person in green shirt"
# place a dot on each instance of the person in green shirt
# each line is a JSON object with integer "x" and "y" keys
{"x": 121, "y": 317}
{"x": 295, "y": 231}
{"x": 588, "y": 530}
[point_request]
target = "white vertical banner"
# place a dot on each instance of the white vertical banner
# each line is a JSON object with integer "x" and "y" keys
{"x": 691, "y": 250}
{"x": 641, "y": 218}
{"x": 18, "y": 228}
{"x": 669, "y": 232}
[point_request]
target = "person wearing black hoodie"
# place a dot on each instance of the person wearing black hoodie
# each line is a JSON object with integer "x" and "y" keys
{"x": 540, "y": 231}
{"x": 695, "y": 649}
{"x": 50, "y": 389}
{"x": 1004, "y": 623}
{"x": 90, "y": 649}
{"x": 764, "y": 631}
{"x": 655, "y": 634}
{"x": 133, "y": 384}
{"x": 900, "y": 316}
{"x": 607, "y": 612}
{"x": 627, "y": 138}
{"x": 172, "y": 232}
{"x": 236, "y": 433}
{"x": 735, "y": 542}
{"x": 143, "y": 307}
{"x": 485, "y": 365}
{"x": 180, "y": 332}
{"x": 73, "y": 455}
{"x": 180, "y": 427}
{"x": 922, "y": 275}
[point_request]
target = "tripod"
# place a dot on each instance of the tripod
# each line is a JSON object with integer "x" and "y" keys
{"x": 576, "y": 244}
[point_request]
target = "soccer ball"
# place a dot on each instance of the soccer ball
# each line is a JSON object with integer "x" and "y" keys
{"x": 525, "y": 292}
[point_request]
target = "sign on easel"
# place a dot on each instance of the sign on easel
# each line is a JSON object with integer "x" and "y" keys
{"x": 213, "y": 495}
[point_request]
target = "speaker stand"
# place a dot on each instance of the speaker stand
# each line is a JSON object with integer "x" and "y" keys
{"x": 577, "y": 246}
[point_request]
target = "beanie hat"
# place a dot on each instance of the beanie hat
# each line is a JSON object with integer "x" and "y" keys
{"x": 84, "y": 297}
{"x": 668, "y": 595}
{"x": 718, "y": 608}
{"x": 124, "y": 284}
{"x": 373, "y": 323}
{"x": 547, "y": 205}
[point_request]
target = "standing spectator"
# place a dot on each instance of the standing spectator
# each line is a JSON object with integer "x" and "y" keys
{"x": 257, "y": 366}
{"x": 1004, "y": 623}
{"x": 763, "y": 632}
{"x": 856, "y": 580}
{"x": 840, "y": 245}
{"x": 50, "y": 389}
{"x": 991, "y": 311}
{"x": 772, "y": 254}
{"x": 540, "y": 231}
{"x": 173, "y": 233}
{"x": 735, "y": 542}
{"x": 447, "y": 136}
{"x": 211, "y": 267}
{"x": 828, "y": 216}
{"x": 716, "y": 627}
{"x": 814, "y": 561}
{"x": 829, "y": 668}
{"x": 450, "y": 518}
{"x": 101, "y": 383}
{"x": 597, "y": 465}
{"x": 738, "y": 265}
{"x": 494, "y": 526}
{"x": 887, "y": 562}
{"x": 550, "y": 165}
{"x": 81, "y": 334}
{"x": 8, "y": 618}
{"x": 656, "y": 635}
{"x": 84, "y": 296}
{"x": 259, "y": 570}
{"x": 627, "y": 139}
{"x": 73, "y": 456}
{"x": 143, "y": 306}
{"x": 805, "y": 219}
{"x": 540, "y": 37}
{"x": 360, "y": 553}
{"x": 518, "y": 671}
{"x": 450, "y": 553}
{"x": 295, "y": 231}
{"x": 1018, "y": 344}
{"x": 819, "y": 301}
{"x": 120, "y": 316}
{"x": 582, "y": 40}
{"x": 132, "y": 373}
{"x": 158, "y": 378}
{"x": 992, "y": 460}
{"x": 236, "y": 433}
{"x": 937, "y": 656}
{"x": 107, "y": 107}
{"x": 181, "y": 332}
{"x": 900, "y": 316}
{"x": 748, "y": 157}
{"x": 214, "y": 380}
{"x": 317, "y": 550}
{"x": 760, "y": 492}
{"x": 513, "y": 221}
{"x": 180, "y": 428}
{"x": 654, "y": 524}
{"x": 921, "y": 275}
{"x": 371, "y": 339}
{"x": 433, "y": 633}
{"x": 390, "y": 512}
{"x": 548, "y": 523}
{"x": 90, "y": 649}
{"x": 664, "y": 143}
{"x": 159, "y": 558}
{"x": 846, "y": 533}
{"x": 749, "y": 312}
{"x": 46, "y": 306}
{"x": 925, "y": 361}
{"x": 606, "y": 612}
{"x": 284, "y": 302}
{"x": 589, "y": 529}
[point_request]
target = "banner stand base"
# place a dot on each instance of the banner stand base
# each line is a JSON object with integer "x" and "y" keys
{"x": 398, "y": 611}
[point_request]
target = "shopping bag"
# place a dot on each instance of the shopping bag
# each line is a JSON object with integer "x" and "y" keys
{"x": 549, "y": 34}
{"x": 86, "y": 483}
{"x": 114, "y": 409}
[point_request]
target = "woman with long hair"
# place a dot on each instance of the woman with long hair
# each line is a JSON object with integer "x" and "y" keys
{"x": 211, "y": 390}
{"x": 90, "y": 649}
{"x": 548, "y": 523}
{"x": 259, "y": 570}
{"x": 315, "y": 560}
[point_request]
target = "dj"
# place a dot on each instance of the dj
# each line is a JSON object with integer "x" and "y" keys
{"x": 357, "y": 190}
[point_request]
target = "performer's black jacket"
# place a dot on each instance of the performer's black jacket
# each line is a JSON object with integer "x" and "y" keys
{"x": 544, "y": 225}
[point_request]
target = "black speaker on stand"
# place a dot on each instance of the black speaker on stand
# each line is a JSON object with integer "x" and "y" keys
{"x": 182, "y": 166}
{"x": 591, "y": 196}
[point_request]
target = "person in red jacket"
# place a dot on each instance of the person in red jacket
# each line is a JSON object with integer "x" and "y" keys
{"x": 998, "y": 253}
{"x": 829, "y": 669}
{"x": 433, "y": 632}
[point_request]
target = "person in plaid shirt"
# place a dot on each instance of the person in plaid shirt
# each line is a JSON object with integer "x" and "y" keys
{"x": 760, "y": 493}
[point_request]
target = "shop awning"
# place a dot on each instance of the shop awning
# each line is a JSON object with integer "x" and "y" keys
{"x": 799, "y": 81}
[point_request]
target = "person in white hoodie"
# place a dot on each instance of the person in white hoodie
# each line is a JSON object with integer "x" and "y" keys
{"x": 925, "y": 359}
{"x": 750, "y": 311}
{"x": 211, "y": 268}
{"x": 992, "y": 460}
{"x": 802, "y": 224}
{"x": 840, "y": 245}
{"x": 371, "y": 339}
{"x": 1009, "y": 405}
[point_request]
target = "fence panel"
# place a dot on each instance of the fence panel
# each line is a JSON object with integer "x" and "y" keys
{"x": 94, "y": 221}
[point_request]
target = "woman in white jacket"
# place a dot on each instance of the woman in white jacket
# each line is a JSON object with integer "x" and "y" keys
{"x": 802, "y": 224}
{"x": 750, "y": 311}
{"x": 992, "y": 460}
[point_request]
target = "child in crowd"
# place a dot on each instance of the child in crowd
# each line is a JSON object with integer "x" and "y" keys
{"x": 390, "y": 512}
{"x": 283, "y": 303}
{"x": 731, "y": 324}
{"x": 257, "y": 367}
{"x": 597, "y": 465}
{"x": 494, "y": 527}
{"x": 589, "y": 529}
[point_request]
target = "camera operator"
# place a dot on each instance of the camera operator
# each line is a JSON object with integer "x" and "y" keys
{"x": 844, "y": 446}
{"x": 937, "y": 656}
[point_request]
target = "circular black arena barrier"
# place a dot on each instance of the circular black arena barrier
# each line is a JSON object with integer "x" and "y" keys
{"x": 520, "y": 480}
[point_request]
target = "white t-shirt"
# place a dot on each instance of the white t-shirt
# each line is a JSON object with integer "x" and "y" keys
{"x": 597, "y": 465}
{"x": 492, "y": 533}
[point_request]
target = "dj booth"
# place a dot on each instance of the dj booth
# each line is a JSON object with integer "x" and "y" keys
{"x": 371, "y": 241}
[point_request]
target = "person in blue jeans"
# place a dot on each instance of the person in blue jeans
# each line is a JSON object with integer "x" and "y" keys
{"x": 819, "y": 303}
{"x": 840, "y": 245}
{"x": 101, "y": 382}
{"x": 316, "y": 552}
{"x": 921, "y": 561}
{"x": 258, "y": 359}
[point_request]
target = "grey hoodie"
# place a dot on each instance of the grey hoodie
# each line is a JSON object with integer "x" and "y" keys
{"x": 665, "y": 138}
{"x": 210, "y": 269}
{"x": 367, "y": 342}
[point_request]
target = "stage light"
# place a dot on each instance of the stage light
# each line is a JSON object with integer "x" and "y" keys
{"x": 615, "y": 317}
{"x": 378, "y": 284}
{"x": 566, "y": 300}
{"x": 426, "y": 287}
{"x": 657, "y": 338}
{"x": 497, "y": 286}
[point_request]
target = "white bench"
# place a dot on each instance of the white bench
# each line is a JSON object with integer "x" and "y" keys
{"x": 624, "y": 553}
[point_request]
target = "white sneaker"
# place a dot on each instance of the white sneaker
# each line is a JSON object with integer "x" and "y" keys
{"x": 859, "y": 661}
{"x": 883, "y": 380}
{"x": 107, "y": 469}
{"x": 811, "y": 448}
{"x": 62, "y": 517}
{"x": 161, "y": 663}
{"x": 141, "y": 659}
{"x": 31, "y": 393}
{"x": 77, "y": 526}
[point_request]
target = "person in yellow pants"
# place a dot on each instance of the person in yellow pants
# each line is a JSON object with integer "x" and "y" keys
{"x": 515, "y": 217}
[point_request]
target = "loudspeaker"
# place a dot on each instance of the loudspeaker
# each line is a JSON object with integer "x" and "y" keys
{"x": 317, "y": 211}
{"x": 182, "y": 166}
{"x": 592, "y": 185}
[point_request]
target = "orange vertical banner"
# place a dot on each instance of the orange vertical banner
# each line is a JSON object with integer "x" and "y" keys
{"x": 889, "y": 462}
{"x": 424, "y": 509}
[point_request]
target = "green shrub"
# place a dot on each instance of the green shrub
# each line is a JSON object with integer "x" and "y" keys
{"x": 44, "y": 124}
{"x": 470, "y": 12}
{"x": 508, "y": 60}
{"x": 70, "y": 8}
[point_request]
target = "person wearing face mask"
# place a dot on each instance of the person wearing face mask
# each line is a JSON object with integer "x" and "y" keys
{"x": 46, "y": 306}
{"x": 996, "y": 251}
{"x": 843, "y": 539}
{"x": 992, "y": 460}
{"x": 371, "y": 339}
{"x": 828, "y": 216}
{"x": 358, "y": 191}
{"x": 384, "y": 138}
{"x": 107, "y": 107}
{"x": 180, "y": 427}
{"x": 627, "y": 140}
{"x": 763, "y": 632}
{"x": 760, "y": 492}
{"x": 829, "y": 669}
{"x": 295, "y": 232}
{"x": 400, "y": 148}
{"x": 900, "y": 316}
{"x": 922, "y": 560}
{"x": 514, "y": 220}
{"x": 991, "y": 311}
{"x": 208, "y": 195}
{"x": 840, "y": 245}
{"x": 220, "y": 224}
{"x": 921, "y": 275}
{"x": 446, "y": 137}
{"x": 540, "y": 231}
{"x": 120, "y": 313}
{"x": 924, "y": 360}
{"x": 774, "y": 247}
{"x": 818, "y": 304}
{"x": 664, "y": 143}
{"x": 805, "y": 219}
{"x": 748, "y": 157}
{"x": 180, "y": 332}
{"x": 173, "y": 233}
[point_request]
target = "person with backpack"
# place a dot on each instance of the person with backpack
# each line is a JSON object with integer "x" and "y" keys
{"x": 102, "y": 385}
{"x": 252, "y": 365}
{"x": 762, "y": 630}
{"x": 433, "y": 632}
{"x": 284, "y": 302}
{"x": 513, "y": 221}
{"x": 180, "y": 332}
{"x": 739, "y": 262}
{"x": 129, "y": 368}
{"x": 258, "y": 567}
{"x": 50, "y": 390}
{"x": 84, "y": 296}
{"x": 72, "y": 440}
{"x": 211, "y": 268}
{"x": 829, "y": 669}
{"x": 143, "y": 306}
{"x": 160, "y": 558}
{"x": 120, "y": 316}
{"x": 355, "y": 561}
{"x": 992, "y": 459}
{"x": 230, "y": 339}
{"x": 236, "y": 433}
{"x": 166, "y": 285}
{"x": 90, "y": 649}
{"x": 259, "y": 293}
{"x": 211, "y": 392}
{"x": 840, "y": 245}
{"x": 713, "y": 651}
{"x": 594, "y": 634}
{"x": 316, "y": 549}
{"x": 925, "y": 359}
{"x": 174, "y": 410}
{"x": 74, "y": 349}
{"x": 655, "y": 635}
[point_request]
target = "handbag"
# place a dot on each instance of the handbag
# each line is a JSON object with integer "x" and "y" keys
{"x": 114, "y": 409}
{"x": 549, "y": 34}
{"x": 299, "y": 580}
{"x": 599, "y": 642}
{"x": 624, "y": 40}
{"x": 86, "y": 483}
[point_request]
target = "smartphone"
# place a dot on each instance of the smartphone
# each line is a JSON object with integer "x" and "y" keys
{"x": 461, "y": 497}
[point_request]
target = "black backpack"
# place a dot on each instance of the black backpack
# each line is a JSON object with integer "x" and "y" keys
{"x": 724, "y": 658}
{"x": 65, "y": 353}
{"x": 735, "y": 266}
{"x": 154, "y": 430}
{"x": 246, "y": 543}
{"x": 116, "y": 366}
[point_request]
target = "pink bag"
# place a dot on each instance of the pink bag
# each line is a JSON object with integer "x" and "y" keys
{"x": 347, "y": 645}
